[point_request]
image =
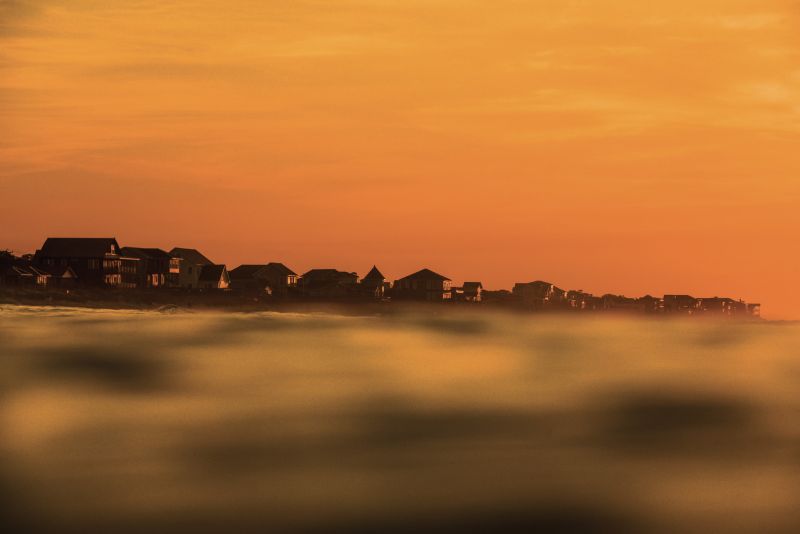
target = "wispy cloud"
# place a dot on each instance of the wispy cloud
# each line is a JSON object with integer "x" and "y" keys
{"x": 751, "y": 21}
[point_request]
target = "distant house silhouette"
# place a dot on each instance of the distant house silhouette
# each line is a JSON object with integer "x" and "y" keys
{"x": 213, "y": 277}
{"x": 621, "y": 303}
{"x": 722, "y": 306}
{"x": 374, "y": 283}
{"x": 246, "y": 278}
{"x": 472, "y": 291}
{"x": 95, "y": 261}
{"x": 273, "y": 278}
{"x": 684, "y": 304}
{"x": 422, "y": 285}
{"x": 157, "y": 268}
{"x": 328, "y": 283}
{"x": 15, "y": 271}
{"x": 191, "y": 265}
{"x": 468, "y": 292}
{"x": 99, "y": 262}
{"x": 62, "y": 277}
{"x": 539, "y": 294}
{"x": 21, "y": 271}
{"x": 650, "y": 304}
{"x": 582, "y": 301}
{"x": 281, "y": 278}
{"x": 498, "y": 297}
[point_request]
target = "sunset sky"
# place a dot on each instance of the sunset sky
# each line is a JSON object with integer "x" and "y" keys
{"x": 613, "y": 146}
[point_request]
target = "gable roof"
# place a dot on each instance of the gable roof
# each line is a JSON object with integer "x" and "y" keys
{"x": 425, "y": 274}
{"x": 190, "y": 255}
{"x": 78, "y": 247}
{"x": 13, "y": 270}
{"x": 59, "y": 271}
{"x": 252, "y": 270}
{"x": 211, "y": 273}
{"x": 374, "y": 274}
{"x": 325, "y": 272}
{"x": 537, "y": 283}
{"x": 329, "y": 273}
{"x": 281, "y": 269}
{"x": 146, "y": 253}
{"x": 25, "y": 270}
{"x": 245, "y": 271}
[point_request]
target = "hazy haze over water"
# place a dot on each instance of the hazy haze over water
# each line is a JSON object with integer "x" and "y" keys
{"x": 446, "y": 421}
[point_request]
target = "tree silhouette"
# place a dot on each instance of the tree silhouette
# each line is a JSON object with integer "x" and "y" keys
{"x": 7, "y": 256}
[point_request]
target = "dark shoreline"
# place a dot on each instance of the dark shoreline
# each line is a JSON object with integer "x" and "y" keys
{"x": 175, "y": 300}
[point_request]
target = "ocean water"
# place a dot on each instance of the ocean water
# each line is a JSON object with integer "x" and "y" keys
{"x": 419, "y": 421}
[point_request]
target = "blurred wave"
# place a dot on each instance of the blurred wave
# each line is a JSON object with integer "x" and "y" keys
{"x": 434, "y": 420}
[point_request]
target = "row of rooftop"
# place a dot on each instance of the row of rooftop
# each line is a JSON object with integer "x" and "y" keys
{"x": 65, "y": 263}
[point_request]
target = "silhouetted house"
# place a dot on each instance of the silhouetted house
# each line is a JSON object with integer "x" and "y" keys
{"x": 329, "y": 283}
{"x": 213, "y": 277}
{"x": 12, "y": 275}
{"x": 422, "y": 285}
{"x": 374, "y": 283}
{"x": 739, "y": 308}
{"x": 281, "y": 279}
{"x": 246, "y": 278}
{"x": 581, "y": 301}
{"x": 593, "y": 303}
{"x": 576, "y": 298}
{"x": 472, "y": 291}
{"x": 271, "y": 278}
{"x": 539, "y": 294}
{"x": 24, "y": 275}
{"x": 683, "y": 304}
{"x": 651, "y": 304}
{"x": 61, "y": 277}
{"x": 20, "y": 271}
{"x": 723, "y": 306}
{"x": 156, "y": 268}
{"x": 191, "y": 264}
{"x": 95, "y": 261}
{"x": 469, "y": 292}
{"x": 499, "y": 296}
{"x": 621, "y": 303}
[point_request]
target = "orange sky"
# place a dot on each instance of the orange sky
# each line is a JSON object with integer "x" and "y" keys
{"x": 609, "y": 145}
